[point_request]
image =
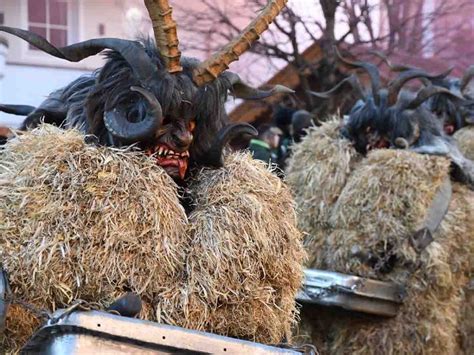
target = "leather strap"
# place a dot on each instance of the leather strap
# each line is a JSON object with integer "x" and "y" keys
{"x": 434, "y": 216}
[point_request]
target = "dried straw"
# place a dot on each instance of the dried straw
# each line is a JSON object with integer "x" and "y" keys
{"x": 465, "y": 140}
{"x": 244, "y": 264}
{"x": 378, "y": 204}
{"x": 317, "y": 171}
{"x": 84, "y": 222}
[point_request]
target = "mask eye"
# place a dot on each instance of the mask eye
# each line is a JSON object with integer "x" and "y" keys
{"x": 166, "y": 120}
{"x": 191, "y": 125}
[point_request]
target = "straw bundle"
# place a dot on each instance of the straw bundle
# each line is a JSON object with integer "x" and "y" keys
{"x": 381, "y": 203}
{"x": 244, "y": 264}
{"x": 317, "y": 172}
{"x": 465, "y": 140}
{"x": 85, "y": 222}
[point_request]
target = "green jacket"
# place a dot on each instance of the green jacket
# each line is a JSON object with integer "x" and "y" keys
{"x": 261, "y": 150}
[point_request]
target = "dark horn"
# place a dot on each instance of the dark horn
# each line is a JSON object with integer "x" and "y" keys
{"x": 352, "y": 80}
{"x": 396, "y": 85}
{"x": 131, "y": 51}
{"x": 20, "y": 110}
{"x": 370, "y": 68}
{"x": 467, "y": 77}
{"x": 118, "y": 125}
{"x": 425, "y": 93}
{"x": 246, "y": 92}
{"x": 393, "y": 67}
{"x": 214, "y": 156}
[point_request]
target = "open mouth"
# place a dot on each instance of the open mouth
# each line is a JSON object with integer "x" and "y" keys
{"x": 449, "y": 129}
{"x": 375, "y": 140}
{"x": 175, "y": 163}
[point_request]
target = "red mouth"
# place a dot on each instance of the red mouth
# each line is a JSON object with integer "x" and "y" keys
{"x": 375, "y": 141}
{"x": 175, "y": 163}
{"x": 449, "y": 129}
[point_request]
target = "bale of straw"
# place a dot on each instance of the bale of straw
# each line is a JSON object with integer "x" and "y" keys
{"x": 244, "y": 264}
{"x": 384, "y": 200}
{"x": 317, "y": 171}
{"x": 86, "y": 222}
{"x": 430, "y": 319}
{"x": 381, "y": 202}
{"x": 465, "y": 141}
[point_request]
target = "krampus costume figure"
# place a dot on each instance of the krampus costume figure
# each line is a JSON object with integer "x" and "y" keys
{"x": 100, "y": 220}
{"x": 392, "y": 118}
{"x": 147, "y": 94}
{"x": 392, "y": 215}
{"x": 455, "y": 111}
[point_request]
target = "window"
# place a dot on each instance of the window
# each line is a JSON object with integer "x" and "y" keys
{"x": 49, "y": 19}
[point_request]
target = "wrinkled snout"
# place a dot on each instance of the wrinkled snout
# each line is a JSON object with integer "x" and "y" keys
{"x": 182, "y": 139}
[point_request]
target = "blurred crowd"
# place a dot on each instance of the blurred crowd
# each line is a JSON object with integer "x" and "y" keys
{"x": 274, "y": 140}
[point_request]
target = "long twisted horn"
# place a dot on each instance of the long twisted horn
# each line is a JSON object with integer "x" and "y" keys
{"x": 138, "y": 60}
{"x": 393, "y": 67}
{"x": 352, "y": 80}
{"x": 211, "y": 68}
{"x": 371, "y": 70}
{"x": 425, "y": 93}
{"x": 396, "y": 85}
{"x": 20, "y": 110}
{"x": 131, "y": 51}
{"x": 166, "y": 35}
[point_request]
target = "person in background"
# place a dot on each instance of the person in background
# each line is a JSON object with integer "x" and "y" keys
{"x": 265, "y": 146}
{"x": 300, "y": 121}
{"x": 282, "y": 115}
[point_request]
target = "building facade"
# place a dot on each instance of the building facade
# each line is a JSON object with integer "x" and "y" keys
{"x": 28, "y": 75}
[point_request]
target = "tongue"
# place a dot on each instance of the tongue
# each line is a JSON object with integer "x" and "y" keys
{"x": 182, "y": 167}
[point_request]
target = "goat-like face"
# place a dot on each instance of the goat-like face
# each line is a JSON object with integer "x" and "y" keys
{"x": 367, "y": 127}
{"x": 175, "y": 112}
{"x": 171, "y": 145}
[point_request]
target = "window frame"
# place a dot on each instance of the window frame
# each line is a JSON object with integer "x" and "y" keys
{"x": 47, "y": 25}
{"x": 74, "y": 33}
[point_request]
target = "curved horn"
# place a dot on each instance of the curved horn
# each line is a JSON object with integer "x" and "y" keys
{"x": 467, "y": 77}
{"x": 131, "y": 51}
{"x": 396, "y": 85}
{"x": 219, "y": 62}
{"x": 425, "y": 93}
{"x": 246, "y": 92}
{"x": 166, "y": 36}
{"x": 370, "y": 68}
{"x": 214, "y": 156}
{"x": 118, "y": 125}
{"x": 20, "y": 110}
{"x": 393, "y": 67}
{"x": 352, "y": 80}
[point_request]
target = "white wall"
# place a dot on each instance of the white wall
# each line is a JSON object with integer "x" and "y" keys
{"x": 29, "y": 85}
{"x": 29, "y": 76}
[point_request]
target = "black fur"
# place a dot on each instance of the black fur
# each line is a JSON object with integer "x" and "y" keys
{"x": 82, "y": 103}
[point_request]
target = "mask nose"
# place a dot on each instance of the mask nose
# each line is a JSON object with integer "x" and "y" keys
{"x": 182, "y": 139}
